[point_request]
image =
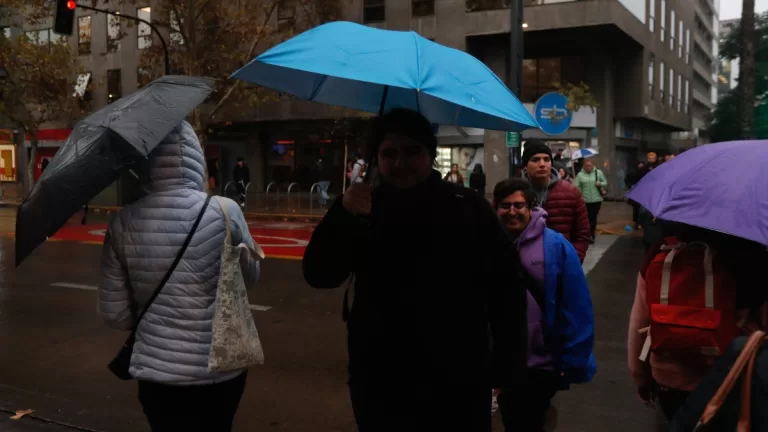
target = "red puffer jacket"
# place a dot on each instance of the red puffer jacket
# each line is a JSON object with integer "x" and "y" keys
{"x": 567, "y": 214}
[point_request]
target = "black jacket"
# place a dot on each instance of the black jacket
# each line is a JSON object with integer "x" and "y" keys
{"x": 433, "y": 268}
{"x": 241, "y": 173}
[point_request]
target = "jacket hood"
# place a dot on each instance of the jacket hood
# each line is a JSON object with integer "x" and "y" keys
{"x": 535, "y": 228}
{"x": 177, "y": 162}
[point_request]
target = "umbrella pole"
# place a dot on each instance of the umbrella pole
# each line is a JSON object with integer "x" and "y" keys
{"x": 344, "y": 165}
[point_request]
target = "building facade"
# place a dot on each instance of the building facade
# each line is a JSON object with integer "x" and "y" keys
{"x": 637, "y": 57}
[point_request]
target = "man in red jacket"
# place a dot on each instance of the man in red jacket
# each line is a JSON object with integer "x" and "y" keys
{"x": 562, "y": 200}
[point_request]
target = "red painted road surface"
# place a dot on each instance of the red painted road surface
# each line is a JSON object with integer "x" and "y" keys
{"x": 279, "y": 239}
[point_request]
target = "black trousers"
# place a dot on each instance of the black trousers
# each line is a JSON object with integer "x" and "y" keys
{"x": 419, "y": 407}
{"x": 240, "y": 190}
{"x": 204, "y": 408}
{"x": 593, "y": 209}
{"x": 670, "y": 400}
{"x": 524, "y": 409}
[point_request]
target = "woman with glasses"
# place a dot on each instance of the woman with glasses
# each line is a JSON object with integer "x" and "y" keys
{"x": 560, "y": 318}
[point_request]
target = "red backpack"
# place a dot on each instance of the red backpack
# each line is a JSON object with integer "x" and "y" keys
{"x": 691, "y": 298}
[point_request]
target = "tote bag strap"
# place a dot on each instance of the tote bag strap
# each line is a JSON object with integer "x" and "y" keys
{"x": 222, "y": 204}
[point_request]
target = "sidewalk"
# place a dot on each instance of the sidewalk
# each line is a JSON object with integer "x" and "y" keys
{"x": 30, "y": 424}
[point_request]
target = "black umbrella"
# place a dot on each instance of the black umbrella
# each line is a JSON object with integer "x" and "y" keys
{"x": 102, "y": 147}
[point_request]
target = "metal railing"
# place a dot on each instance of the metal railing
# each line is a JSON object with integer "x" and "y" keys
{"x": 233, "y": 183}
{"x": 266, "y": 195}
{"x": 311, "y": 195}
{"x": 288, "y": 196}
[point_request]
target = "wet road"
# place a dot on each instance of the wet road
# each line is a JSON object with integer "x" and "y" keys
{"x": 54, "y": 349}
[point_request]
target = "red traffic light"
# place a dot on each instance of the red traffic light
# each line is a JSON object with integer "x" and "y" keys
{"x": 71, "y": 4}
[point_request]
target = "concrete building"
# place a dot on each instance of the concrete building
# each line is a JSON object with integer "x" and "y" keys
{"x": 728, "y": 71}
{"x": 637, "y": 57}
{"x": 705, "y": 65}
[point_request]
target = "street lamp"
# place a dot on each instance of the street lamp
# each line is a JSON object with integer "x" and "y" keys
{"x": 515, "y": 68}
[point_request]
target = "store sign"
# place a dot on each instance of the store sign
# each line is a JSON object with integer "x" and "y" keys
{"x": 513, "y": 139}
{"x": 552, "y": 113}
{"x": 6, "y": 136}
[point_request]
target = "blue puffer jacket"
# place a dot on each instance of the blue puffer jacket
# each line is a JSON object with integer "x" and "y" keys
{"x": 568, "y": 317}
{"x": 173, "y": 339}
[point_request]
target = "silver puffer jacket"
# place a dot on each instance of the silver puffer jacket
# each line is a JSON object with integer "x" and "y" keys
{"x": 173, "y": 339}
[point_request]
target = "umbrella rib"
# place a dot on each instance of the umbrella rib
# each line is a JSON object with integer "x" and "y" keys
{"x": 317, "y": 88}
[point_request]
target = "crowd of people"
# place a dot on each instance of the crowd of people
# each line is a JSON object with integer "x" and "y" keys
{"x": 428, "y": 350}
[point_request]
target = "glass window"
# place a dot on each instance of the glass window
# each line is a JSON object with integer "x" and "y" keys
{"x": 374, "y": 11}
{"x": 651, "y": 15}
{"x": 143, "y": 76}
{"x": 175, "y": 22}
{"x": 40, "y": 37}
{"x": 651, "y": 70}
{"x": 114, "y": 30}
{"x": 687, "y": 45}
{"x": 540, "y": 76}
{"x": 114, "y": 85}
{"x": 7, "y": 32}
{"x": 672, "y": 30}
{"x": 661, "y": 80}
{"x": 679, "y": 91}
{"x": 663, "y": 19}
{"x": 420, "y": 8}
{"x": 84, "y": 35}
{"x": 687, "y": 89}
{"x": 286, "y": 15}
{"x": 144, "y": 31}
{"x": 671, "y": 86}
{"x": 680, "y": 40}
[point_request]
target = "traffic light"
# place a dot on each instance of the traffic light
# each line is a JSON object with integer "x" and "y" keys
{"x": 65, "y": 17}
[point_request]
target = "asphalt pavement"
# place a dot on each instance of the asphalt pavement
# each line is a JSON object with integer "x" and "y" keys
{"x": 55, "y": 349}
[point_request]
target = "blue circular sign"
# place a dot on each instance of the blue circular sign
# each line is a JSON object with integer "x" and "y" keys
{"x": 552, "y": 113}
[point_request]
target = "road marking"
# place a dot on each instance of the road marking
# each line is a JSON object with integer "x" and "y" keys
{"x": 596, "y": 251}
{"x": 255, "y": 307}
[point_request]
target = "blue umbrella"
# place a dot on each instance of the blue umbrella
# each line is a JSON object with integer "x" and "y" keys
{"x": 367, "y": 69}
{"x": 583, "y": 153}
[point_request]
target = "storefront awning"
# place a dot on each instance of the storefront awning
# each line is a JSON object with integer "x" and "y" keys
{"x": 49, "y": 137}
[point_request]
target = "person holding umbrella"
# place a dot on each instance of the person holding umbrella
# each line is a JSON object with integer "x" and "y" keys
{"x": 170, "y": 357}
{"x": 418, "y": 336}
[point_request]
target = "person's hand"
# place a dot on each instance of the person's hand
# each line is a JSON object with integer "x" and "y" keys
{"x": 357, "y": 199}
{"x": 597, "y": 183}
{"x": 647, "y": 395}
{"x": 496, "y": 392}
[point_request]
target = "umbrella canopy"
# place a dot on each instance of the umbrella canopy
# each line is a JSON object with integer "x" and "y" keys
{"x": 584, "y": 153}
{"x": 100, "y": 148}
{"x": 368, "y": 69}
{"x": 720, "y": 187}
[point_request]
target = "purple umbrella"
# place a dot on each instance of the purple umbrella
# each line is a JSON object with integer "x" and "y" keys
{"x": 721, "y": 187}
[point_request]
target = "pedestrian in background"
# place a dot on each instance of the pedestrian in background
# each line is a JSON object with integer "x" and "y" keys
{"x": 477, "y": 180}
{"x": 173, "y": 338}
{"x": 592, "y": 184}
{"x": 242, "y": 177}
{"x": 454, "y": 176}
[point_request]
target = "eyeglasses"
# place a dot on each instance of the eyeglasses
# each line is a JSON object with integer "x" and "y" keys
{"x": 508, "y": 206}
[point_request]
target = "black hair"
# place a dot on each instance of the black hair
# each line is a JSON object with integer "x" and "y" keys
{"x": 478, "y": 168}
{"x": 407, "y": 123}
{"x": 507, "y": 187}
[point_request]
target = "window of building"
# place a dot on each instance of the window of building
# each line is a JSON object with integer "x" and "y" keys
{"x": 663, "y": 19}
{"x": 143, "y": 76}
{"x": 687, "y": 89}
{"x": 651, "y": 15}
{"x": 680, "y": 40}
{"x": 679, "y": 91}
{"x": 687, "y": 46}
{"x": 114, "y": 85}
{"x": 175, "y": 22}
{"x": 144, "y": 31}
{"x": 84, "y": 35}
{"x": 671, "y": 87}
{"x": 651, "y": 70}
{"x": 661, "y": 81}
{"x": 114, "y": 30}
{"x": 672, "y": 30}
{"x": 374, "y": 11}
{"x": 541, "y": 75}
{"x": 420, "y": 8}
{"x": 286, "y": 15}
{"x": 6, "y": 32}
{"x": 39, "y": 37}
